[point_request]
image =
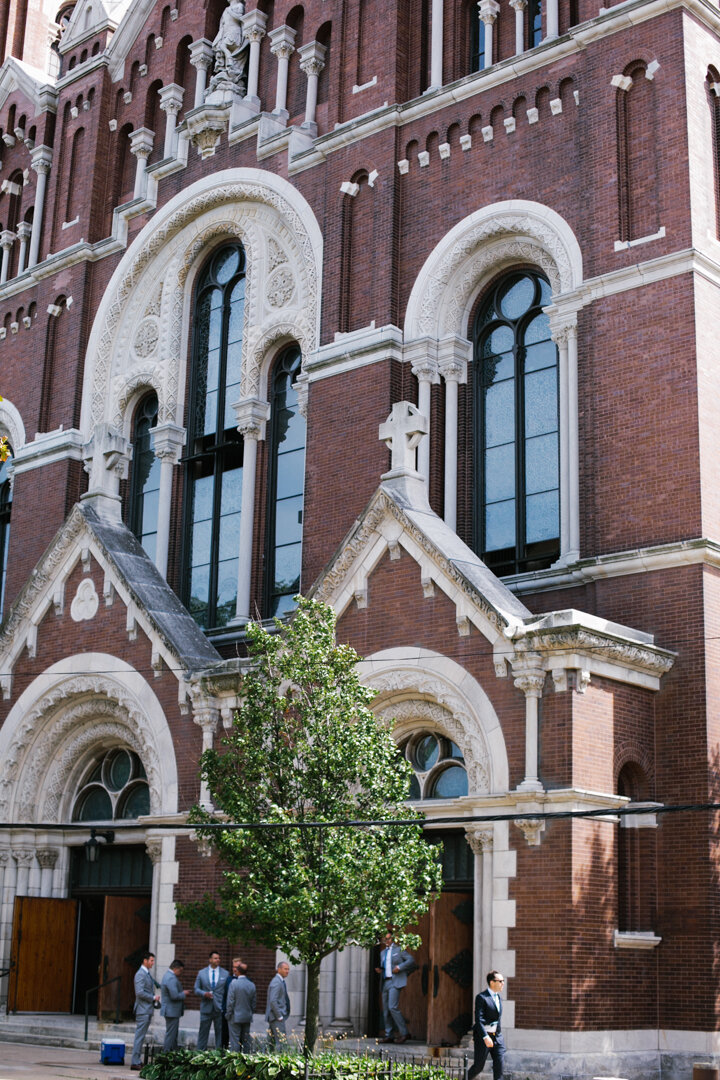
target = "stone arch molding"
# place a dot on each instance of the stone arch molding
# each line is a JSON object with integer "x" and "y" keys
{"x": 66, "y": 715}
{"x": 11, "y": 425}
{"x": 140, "y": 333}
{"x": 514, "y": 231}
{"x": 419, "y": 687}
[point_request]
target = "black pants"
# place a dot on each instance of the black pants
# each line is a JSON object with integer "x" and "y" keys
{"x": 496, "y": 1052}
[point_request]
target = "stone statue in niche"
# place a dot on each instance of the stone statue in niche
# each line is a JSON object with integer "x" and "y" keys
{"x": 230, "y": 51}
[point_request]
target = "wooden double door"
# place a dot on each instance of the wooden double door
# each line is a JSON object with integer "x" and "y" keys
{"x": 437, "y": 1001}
{"x": 62, "y": 949}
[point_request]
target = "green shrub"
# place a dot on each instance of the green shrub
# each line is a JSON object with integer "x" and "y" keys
{"x": 214, "y": 1065}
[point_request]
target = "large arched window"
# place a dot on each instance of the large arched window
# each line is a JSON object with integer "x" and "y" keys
{"x": 517, "y": 511}
{"x": 285, "y": 487}
{"x": 5, "y": 507}
{"x": 213, "y": 467}
{"x": 145, "y": 477}
{"x": 114, "y": 788}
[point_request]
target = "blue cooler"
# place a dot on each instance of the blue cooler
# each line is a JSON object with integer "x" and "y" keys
{"x": 112, "y": 1052}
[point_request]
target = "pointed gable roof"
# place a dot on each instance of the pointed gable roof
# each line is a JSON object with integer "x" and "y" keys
{"x": 129, "y": 574}
{"x": 91, "y": 17}
{"x": 35, "y": 85}
{"x": 399, "y": 516}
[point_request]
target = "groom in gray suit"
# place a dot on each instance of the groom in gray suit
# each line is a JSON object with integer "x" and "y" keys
{"x": 395, "y": 964}
{"x": 172, "y": 997}
{"x": 145, "y": 998}
{"x": 210, "y": 986}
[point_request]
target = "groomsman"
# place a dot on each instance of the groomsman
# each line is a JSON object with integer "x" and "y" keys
{"x": 210, "y": 987}
{"x": 278, "y": 1005}
{"x": 172, "y": 998}
{"x": 145, "y": 998}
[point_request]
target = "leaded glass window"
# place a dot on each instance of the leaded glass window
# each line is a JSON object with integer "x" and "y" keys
{"x": 145, "y": 478}
{"x": 517, "y": 518}
{"x": 286, "y": 486}
{"x": 115, "y": 788}
{"x": 215, "y": 459}
{"x": 439, "y": 767}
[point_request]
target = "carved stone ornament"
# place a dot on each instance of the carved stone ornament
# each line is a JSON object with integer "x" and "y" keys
{"x": 449, "y": 718}
{"x": 206, "y": 128}
{"x": 479, "y": 840}
{"x": 85, "y": 602}
{"x": 230, "y": 49}
{"x": 77, "y": 716}
{"x": 146, "y": 338}
{"x": 153, "y": 847}
{"x": 531, "y": 828}
{"x": 47, "y": 857}
{"x": 255, "y": 214}
{"x": 280, "y": 288}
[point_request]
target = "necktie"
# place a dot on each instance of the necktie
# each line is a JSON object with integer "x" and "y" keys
{"x": 213, "y": 977}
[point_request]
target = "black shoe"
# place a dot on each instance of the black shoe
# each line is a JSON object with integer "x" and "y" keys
{"x": 136, "y": 1068}
{"x": 402, "y": 1038}
{"x": 387, "y": 1039}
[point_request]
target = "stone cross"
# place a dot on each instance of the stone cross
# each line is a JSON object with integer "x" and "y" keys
{"x": 401, "y": 432}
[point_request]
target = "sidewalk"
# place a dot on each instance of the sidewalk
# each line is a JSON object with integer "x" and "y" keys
{"x": 23, "y": 1062}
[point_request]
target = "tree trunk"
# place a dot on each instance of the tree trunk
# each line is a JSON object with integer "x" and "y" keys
{"x": 312, "y": 1006}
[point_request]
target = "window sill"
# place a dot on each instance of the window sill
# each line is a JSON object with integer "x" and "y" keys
{"x": 636, "y": 939}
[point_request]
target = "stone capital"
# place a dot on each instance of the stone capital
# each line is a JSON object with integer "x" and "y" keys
{"x": 254, "y": 24}
{"x": 529, "y": 674}
{"x": 479, "y": 840}
{"x": 141, "y": 142}
{"x": 488, "y": 10}
{"x": 41, "y": 159}
{"x": 47, "y": 857}
{"x": 153, "y": 846}
{"x": 24, "y": 230}
{"x": 531, "y": 828}
{"x": 312, "y": 57}
{"x": 23, "y": 856}
{"x": 454, "y": 353}
{"x": 168, "y": 441}
{"x": 7, "y": 239}
{"x": 201, "y": 53}
{"x": 518, "y": 5}
{"x": 282, "y": 41}
{"x": 251, "y": 415}
{"x": 171, "y": 98}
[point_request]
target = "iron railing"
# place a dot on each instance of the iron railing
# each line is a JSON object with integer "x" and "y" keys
{"x": 108, "y": 982}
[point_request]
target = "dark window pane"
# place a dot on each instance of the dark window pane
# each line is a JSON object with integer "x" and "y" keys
{"x": 426, "y": 753}
{"x": 541, "y": 517}
{"x": 291, "y": 431}
{"x": 452, "y": 783}
{"x": 500, "y": 472}
{"x": 541, "y": 463}
{"x": 135, "y": 803}
{"x": 516, "y": 297}
{"x": 93, "y": 805}
{"x": 290, "y": 473}
{"x": 500, "y": 413}
{"x": 540, "y": 402}
{"x": 500, "y": 525}
{"x": 117, "y": 769}
{"x": 226, "y": 264}
{"x": 288, "y": 520}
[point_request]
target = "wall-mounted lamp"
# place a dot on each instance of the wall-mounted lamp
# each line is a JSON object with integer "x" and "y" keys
{"x": 93, "y": 845}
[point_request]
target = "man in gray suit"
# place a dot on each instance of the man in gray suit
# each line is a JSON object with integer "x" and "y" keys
{"x": 145, "y": 998}
{"x": 241, "y": 1000}
{"x": 172, "y": 998}
{"x": 395, "y": 964}
{"x": 209, "y": 986}
{"x": 278, "y": 1005}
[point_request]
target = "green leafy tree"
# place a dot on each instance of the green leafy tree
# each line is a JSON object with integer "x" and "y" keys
{"x": 305, "y": 747}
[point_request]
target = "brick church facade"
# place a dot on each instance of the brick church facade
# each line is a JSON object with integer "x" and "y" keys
{"x": 410, "y": 306}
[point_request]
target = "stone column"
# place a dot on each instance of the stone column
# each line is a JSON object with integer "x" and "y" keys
{"x": 553, "y": 21}
{"x": 282, "y": 44}
{"x": 254, "y": 24}
{"x": 312, "y": 61}
{"x": 251, "y": 415}
{"x": 168, "y": 441}
{"x": 201, "y": 58}
{"x": 24, "y": 857}
{"x": 47, "y": 857}
{"x": 205, "y": 715}
{"x": 488, "y": 14}
{"x": 530, "y": 678}
{"x": 341, "y": 992}
{"x": 141, "y": 144}
{"x": 24, "y": 232}
{"x": 7, "y": 239}
{"x": 453, "y": 354}
{"x": 519, "y": 7}
{"x": 436, "y": 44}
{"x": 153, "y": 846}
{"x": 8, "y": 877}
{"x": 171, "y": 99}
{"x": 40, "y": 160}
{"x": 480, "y": 841}
{"x": 425, "y": 369}
{"x": 564, "y": 334}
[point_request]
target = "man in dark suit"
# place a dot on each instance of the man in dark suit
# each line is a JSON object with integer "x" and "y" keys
{"x": 172, "y": 1003}
{"x": 241, "y": 1001}
{"x": 210, "y": 987}
{"x": 395, "y": 964}
{"x": 487, "y": 1030}
{"x": 145, "y": 998}
{"x": 278, "y": 1005}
